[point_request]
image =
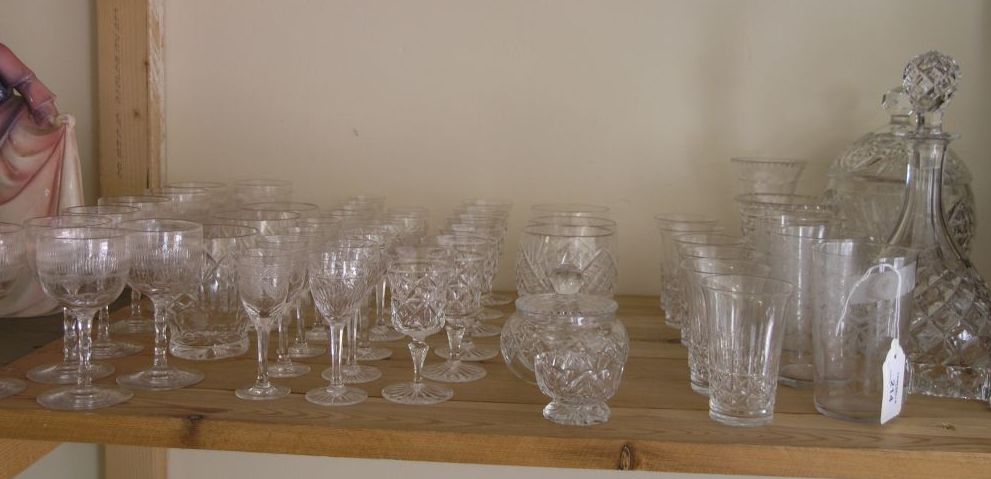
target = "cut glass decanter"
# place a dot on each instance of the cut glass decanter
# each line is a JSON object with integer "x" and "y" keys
{"x": 949, "y": 345}
{"x": 867, "y": 181}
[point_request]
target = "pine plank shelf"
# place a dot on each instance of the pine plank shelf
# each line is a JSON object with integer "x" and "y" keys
{"x": 658, "y": 423}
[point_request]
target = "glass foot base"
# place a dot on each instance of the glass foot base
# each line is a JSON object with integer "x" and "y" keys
{"x": 11, "y": 386}
{"x": 306, "y": 350}
{"x": 67, "y": 373}
{"x": 72, "y": 398}
{"x": 798, "y": 376}
{"x": 417, "y": 394}
{"x": 740, "y": 421}
{"x": 262, "y": 393}
{"x": 357, "y": 374}
{"x": 336, "y": 396}
{"x": 115, "y": 349}
{"x": 373, "y": 353}
{"x": 133, "y": 326}
{"x": 470, "y": 353}
{"x": 317, "y": 334}
{"x": 290, "y": 370}
{"x": 454, "y": 372}
{"x": 671, "y": 323}
{"x": 493, "y": 299}
{"x": 487, "y": 314}
{"x": 384, "y": 334}
{"x": 572, "y": 415}
{"x": 205, "y": 350}
{"x": 700, "y": 389}
{"x": 160, "y": 379}
{"x": 485, "y": 330}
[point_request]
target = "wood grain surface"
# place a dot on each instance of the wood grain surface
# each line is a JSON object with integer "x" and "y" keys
{"x": 18, "y": 455}
{"x": 657, "y": 422}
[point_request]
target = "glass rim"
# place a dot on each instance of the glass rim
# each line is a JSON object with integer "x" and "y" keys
{"x": 245, "y": 231}
{"x": 84, "y": 209}
{"x": 794, "y": 199}
{"x": 592, "y": 231}
{"x": 36, "y": 222}
{"x": 133, "y": 199}
{"x": 207, "y": 185}
{"x": 584, "y": 305}
{"x": 692, "y": 251}
{"x": 169, "y": 191}
{"x": 669, "y": 217}
{"x": 256, "y": 215}
{"x": 293, "y": 206}
{"x": 782, "y": 288}
{"x": 262, "y": 183}
{"x": 826, "y": 247}
{"x": 575, "y": 220}
{"x": 89, "y": 232}
{"x": 168, "y": 225}
{"x": 686, "y": 238}
{"x": 695, "y": 260}
{"x": 569, "y": 208}
{"x": 769, "y": 160}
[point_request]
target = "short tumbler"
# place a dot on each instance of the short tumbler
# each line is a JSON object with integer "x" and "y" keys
{"x": 745, "y": 314}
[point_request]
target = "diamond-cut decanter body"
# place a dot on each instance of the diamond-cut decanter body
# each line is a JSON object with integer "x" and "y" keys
{"x": 867, "y": 181}
{"x": 950, "y": 342}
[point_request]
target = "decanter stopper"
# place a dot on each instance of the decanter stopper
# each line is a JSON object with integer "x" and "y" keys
{"x": 930, "y": 80}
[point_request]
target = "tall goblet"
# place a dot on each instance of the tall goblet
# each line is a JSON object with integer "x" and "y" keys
{"x": 419, "y": 295}
{"x": 166, "y": 258}
{"x": 297, "y": 247}
{"x": 84, "y": 269}
{"x": 340, "y": 277}
{"x": 264, "y": 283}
{"x": 67, "y": 371}
{"x": 104, "y": 347}
{"x": 480, "y": 245}
{"x": 12, "y": 264}
{"x": 150, "y": 206}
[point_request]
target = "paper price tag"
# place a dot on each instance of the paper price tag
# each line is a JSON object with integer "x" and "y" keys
{"x": 893, "y": 375}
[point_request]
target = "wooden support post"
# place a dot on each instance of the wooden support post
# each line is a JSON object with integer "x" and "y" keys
{"x": 131, "y": 104}
{"x": 17, "y": 455}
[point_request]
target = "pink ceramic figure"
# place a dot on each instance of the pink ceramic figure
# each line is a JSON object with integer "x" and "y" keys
{"x": 39, "y": 164}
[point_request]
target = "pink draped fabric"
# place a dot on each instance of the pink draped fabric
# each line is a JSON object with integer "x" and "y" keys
{"x": 39, "y": 166}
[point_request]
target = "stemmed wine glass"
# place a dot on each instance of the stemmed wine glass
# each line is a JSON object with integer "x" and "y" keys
{"x": 84, "y": 269}
{"x": 12, "y": 259}
{"x": 419, "y": 294}
{"x": 483, "y": 246}
{"x": 494, "y": 234}
{"x": 499, "y": 209}
{"x": 150, "y": 206}
{"x": 463, "y": 305}
{"x": 297, "y": 246}
{"x": 104, "y": 347}
{"x": 67, "y": 371}
{"x": 265, "y": 278}
{"x": 166, "y": 259}
{"x": 340, "y": 277}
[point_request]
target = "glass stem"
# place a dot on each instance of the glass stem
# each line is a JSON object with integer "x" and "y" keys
{"x": 135, "y": 304}
{"x": 455, "y": 335}
{"x": 161, "y": 336}
{"x": 70, "y": 343}
{"x": 353, "y": 338}
{"x": 380, "y": 313}
{"x": 262, "y": 333}
{"x": 363, "y": 327}
{"x": 336, "y": 345}
{"x": 300, "y": 341}
{"x": 84, "y": 328}
{"x": 103, "y": 325}
{"x": 282, "y": 350}
{"x": 418, "y": 350}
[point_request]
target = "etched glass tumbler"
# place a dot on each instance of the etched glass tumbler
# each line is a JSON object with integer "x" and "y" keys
{"x": 669, "y": 225}
{"x": 862, "y": 293}
{"x": 567, "y": 259}
{"x": 208, "y": 322}
{"x": 12, "y": 265}
{"x": 753, "y": 206}
{"x": 767, "y": 175}
{"x": 695, "y": 330}
{"x": 166, "y": 258}
{"x": 745, "y": 314}
{"x": 419, "y": 286}
{"x": 84, "y": 269}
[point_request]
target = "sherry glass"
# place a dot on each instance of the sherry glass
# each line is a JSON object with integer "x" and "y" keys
{"x": 419, "y": 295}
{"x": 340, "y": 277}
{"x": 463, "y": 304}
{"x": 67, "y": 371}
{"x": 261, "y": 190}
{"x": 84, "y": 269}
{"x": 150, "y": 207}
{"x": 104, "y": 347}
{"x": 469, "y": 244}
{"x": 296, "y": 246}
{"x": 166, "y": 259}
{"x": 264, "y": 281}
{"x": 12, "y": 264}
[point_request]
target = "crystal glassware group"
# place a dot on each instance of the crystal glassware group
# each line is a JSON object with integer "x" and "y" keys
{"x": 857, "y": 297}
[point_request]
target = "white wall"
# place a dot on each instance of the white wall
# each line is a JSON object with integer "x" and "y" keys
{"x": 57, "y": 39}
{"x": 634, "y": 104}
{"x": 67, "y": 461}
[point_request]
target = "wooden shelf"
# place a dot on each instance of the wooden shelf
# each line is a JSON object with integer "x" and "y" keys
{"x": 657, "y": 422}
